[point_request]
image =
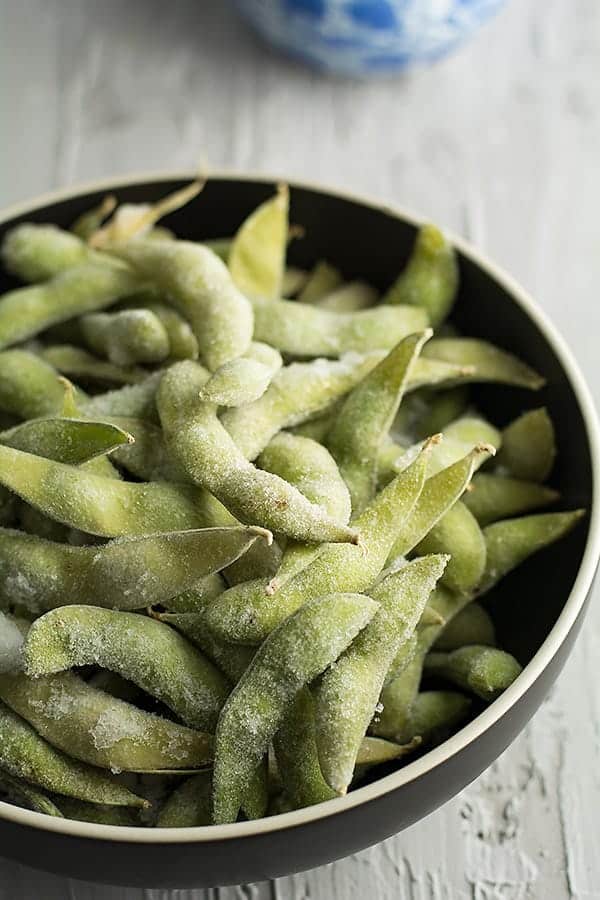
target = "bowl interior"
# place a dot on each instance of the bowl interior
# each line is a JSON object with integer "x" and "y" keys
{"x": 372, "y": 243}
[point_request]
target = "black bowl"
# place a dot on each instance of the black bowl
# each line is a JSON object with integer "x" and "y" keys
{"x": 538, "y": 609}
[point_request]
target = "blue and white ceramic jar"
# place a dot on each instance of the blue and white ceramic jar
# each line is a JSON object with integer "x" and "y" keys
{"x": 361, "y": 37}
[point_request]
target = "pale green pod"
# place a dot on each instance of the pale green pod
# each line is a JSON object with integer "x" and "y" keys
{"x": 347, "y": 694}
{"x": 24, "y": 754}
{"x": 486, "y": 671}
{"x": 442, "y": 408}
{"x": 486, "y": 361}
{"x": 310, "y": 468}
{"x": 38, "y": 252}
{"x": 101, "y": 730}
{"x": 190, "y": 804}
{"x": 98, "y": 813}
{"x": 317, "y": 429}
{"x": 492, "y": 497}
{"x": 430, "y": 277}
{"x": 194, "y": 599}
{"x": 528, "y": 447}
{"x": 207, "y": 453}
{"x": 472, "y": 625}
{"x": 245, "y": 379}
{"x": 33, "y": 522}
{"x": 294, "y": 280}
{"x": 70, "y": 441}
{"x": 248, "y": 612}
{"x": 83, "y": 366}
{"x": 302, "y": 330}
{"x": 127, "y": 337}
{"x": 99, "y": 505}
{"x": 29, "y": 387}
{"x": 90, "y": 221}
{"x": 23, "y": 794}
{"x": 323, "y": 279}
{"x": 135, "y": 401}
{"x": 231, "y": 659}
{"x": 511, "y": 541}
{"x": 256, "y": 257}
{"x": 350, "y": 297}
{"x": 366, "y": 416}
{"x": 147, "y": 456}
{"x": 149, "y": 653}
{"x": 297, "y": 393}
{"x": 440, "y": 493}
{"x": 435, "y": 714}
{"x": 27, "y": 311}
{"x": 182, "y": 341}
{"x": 291, "y": 657}
{"x": 458, "y": 534}
{"x": 126, "y": 574}
{"x": 199, "y": 285}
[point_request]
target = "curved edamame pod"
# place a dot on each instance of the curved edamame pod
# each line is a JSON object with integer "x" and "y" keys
{"x": 189, "y": 805}
{"x": 101, "y": 730}
{"x": 458, "y": 534}
{"x": 140, "y": 649}
{"x": 199, "y": 285}
{"x": 24, "y": 754}
{"x": 29, "y": 387}
{"x": 127, "y": 337}
{"x": 292, "y": 656}
{"x": 430, "y": 278}
{"x": 434, "y": 714}
{"x": 147, "y": 457}
{"x": 70, "y": 441}
{"x": 366, "y": 416}
{"x": 135, "y": 401}
{"x": 350, "y": 297}
{"x": 125, "y": 574}
{"x": 486, "y": 671}
{"x": 511, "y": 541}
{"x": 302, "y": 330}
{"x": 209, "y": 457}
{"x": 443, "y": 408}
{"x": 488, "y": 362}
{"x": 231, "y": 659}
{"x": 245, "y": 379}
{"x": 37, "y": 252}
{"x": 90, "y": 221}
{"x": 99, "y": 505}
{"x": 98, "y": 813}
{"x": 195, "y": 599}
{"x": 323, "y": 279}
{"x": 528, "y": 447}
{"x": 26, "y": 311}
{"x": 26, "y": 795}
{"x": 347, "y": 694}
{"x": 492, "y": 497}
{"x": 182, "y": 341}
{"x": 78, "y": 363}
{"x": 472, "y": 625}
{"x": 256, "y": 257}
{"x": 294, "y": 280}
{"x": 248, "y": 612}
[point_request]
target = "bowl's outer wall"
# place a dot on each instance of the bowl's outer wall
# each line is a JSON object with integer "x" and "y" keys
{"x": 372, "y": 244}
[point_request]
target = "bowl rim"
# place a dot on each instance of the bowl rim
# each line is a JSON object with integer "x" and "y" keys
{"x": 208, "y": 834}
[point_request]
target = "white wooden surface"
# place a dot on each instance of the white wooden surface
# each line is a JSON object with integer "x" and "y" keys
{"x": 500, "y": 143}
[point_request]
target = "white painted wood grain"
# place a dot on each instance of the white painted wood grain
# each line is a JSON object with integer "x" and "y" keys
{"x": 500, "y": 143}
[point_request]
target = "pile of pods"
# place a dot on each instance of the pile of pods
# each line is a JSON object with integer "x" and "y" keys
{"x": 246, "y": 540}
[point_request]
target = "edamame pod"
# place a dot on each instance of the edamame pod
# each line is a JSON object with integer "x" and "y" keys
{"x": 29, "y": 387}
{"x": 70, "y": 441}
{"x": 140, "y": 649}
{"x": 23, "y": 794}
{"x": 245, "y": 379}
{"x": 189, "y": 805}
{"x": 323, "y": 279}
{"x": 458, "y": 534}
{"x": 200, "y": 287}
{"x": 486, "y": 671}
{"x": 38, "y": 252}
{"x": 434, "y": 714}
{"x": 231, "y": 659}
{"x": 350, "y": 297}
{"x": 78, "y": 363}
{"x": 488, "y": 363}
{"x": 472, "y": 625}
{"x": 528, "y": 447}
{"x": 98, "y": 813}
{"x": 204, "y": 449}
{"x": 292, "y": 656}
{"x": 128, "y": 337}
{"x": 256, "y": 257}
{"x": 136, "y": 401}
{"x": 492, "y": 497}
{"x": 182, "y": 341}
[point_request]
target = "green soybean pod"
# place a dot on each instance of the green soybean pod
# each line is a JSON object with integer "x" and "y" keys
{"x": 207, "y": 453}
{"x": 101, "y": 730}
{"x": 98, "y": 813}
{"x": 90, "y": 221}
{"x": 70, "y": 441}
{"x": 182, "y": 341}
{"x": 38, "y": 252}
{"x": 487, "y": 362}
{"x": 430, "y": 278}
{"x": 194, "y": 599}
{"x": 458, "y": 534}
{"x": 256, "y": 257}
{"x": 29, "y": 386}
{"x": 293, "y": 281}
{"x": 511, "y": 541}
{"x": 486, "y": 671}
{"x": 350, "y": 297}
{"x": 23, "y": 794}
{"x": 298, "y": 392}
{"x": 231, "y": 659}
{"x": 27, "y": 311}
{"x": 244, "y": 379}
{"x": 135, "y": 401}
{"x": 199, "y": 285}
{"x": 247, "y": 613}
{"x": 528, "y": 447}
{"x": 492, "y": 497}
{"x": 78, "y": 363}
{"x": 302, "y": 330}
{"x": 442, "y": 408}
{"x": 292, "y": 656}
{"x": 190, "y": 804}
{"x": 366, "y": 416}
{"x": 347, "y": 694}
{"x": 127, "y": 337}
{"x": 99, "y": 505}
{"x": 435, "y": 714}
{"x": 472, "y": 625}
{"x": 323, "y": 279}
{"x": 145, "y": 651}
{"x": 26, "y": 755}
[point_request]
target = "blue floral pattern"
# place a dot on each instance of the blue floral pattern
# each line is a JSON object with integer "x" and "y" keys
{"x": 356, "y": 37}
